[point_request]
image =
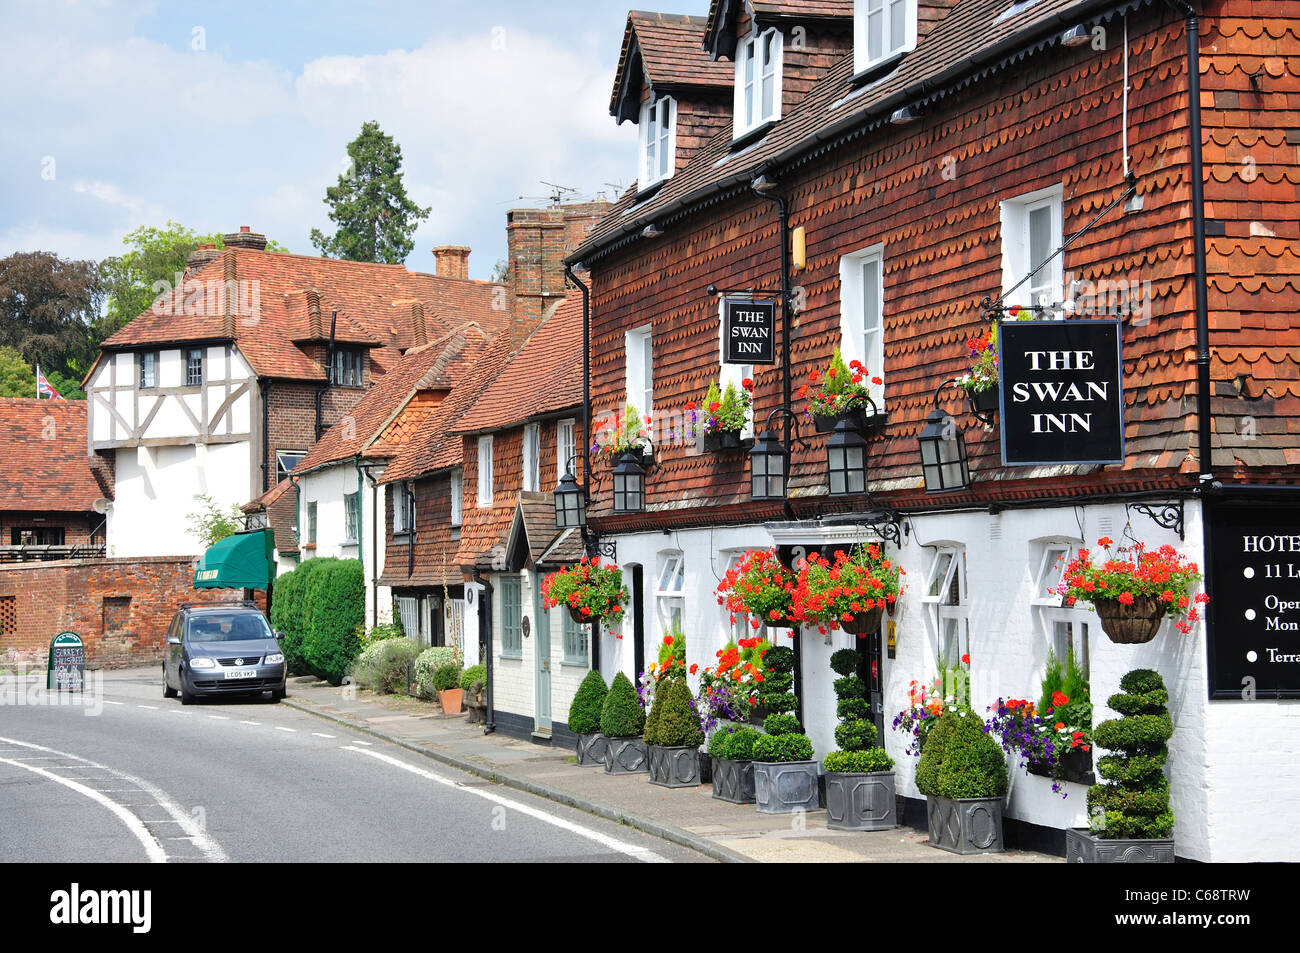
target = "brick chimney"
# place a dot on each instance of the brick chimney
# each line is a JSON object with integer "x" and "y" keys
{"x": 200, "y": 255}
{"x": 539, "y": 239}
{"x": 451, "y": 261}
{"x": 244, "y": 238}
{"x": 313, "y": 315}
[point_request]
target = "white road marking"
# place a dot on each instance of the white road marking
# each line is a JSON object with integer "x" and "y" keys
{"x": 366, "y": 743}
{"x": 282, "y": 728}
{"x": 152, "y": 848}
{"x": 251, "y": 723}
{"x": 321, "y": 734}
{"x": 150, "y": 707}
{"x": 623, "y": 847}
{"x": 220, "y": 717}
{"x": 211, "y": 850}
{"x": 107, "y": 702}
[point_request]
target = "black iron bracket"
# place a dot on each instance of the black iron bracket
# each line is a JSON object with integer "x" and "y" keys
{"x": 751, "y": 292}
{"x": 595, "y": 547}
{"x": 1164, "y": 515}
{"x": 884, "y": 523}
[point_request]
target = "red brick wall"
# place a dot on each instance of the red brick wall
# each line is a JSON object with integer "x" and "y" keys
{"x": 435, "y": 540}
{"x": 49, "y": 598}
{"x": 291, "y": 417}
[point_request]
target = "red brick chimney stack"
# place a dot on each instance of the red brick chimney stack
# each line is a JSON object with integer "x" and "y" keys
{"x": 245, "y": 238}
{"x": 451, "y": 261}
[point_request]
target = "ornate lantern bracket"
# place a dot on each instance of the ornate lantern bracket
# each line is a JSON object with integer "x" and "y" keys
{"x": 1166, "y": 515}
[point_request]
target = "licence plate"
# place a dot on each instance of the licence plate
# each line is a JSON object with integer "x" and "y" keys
{"x": 241, "y": 673}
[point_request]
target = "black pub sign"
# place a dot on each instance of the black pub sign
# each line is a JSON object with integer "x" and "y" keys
{"x": 1252, "y": 554}
{"x": 748, "y": 332}
{"x": 1061, "y": 392}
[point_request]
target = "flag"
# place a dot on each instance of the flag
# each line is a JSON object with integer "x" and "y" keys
{"x": 43, "y": 388}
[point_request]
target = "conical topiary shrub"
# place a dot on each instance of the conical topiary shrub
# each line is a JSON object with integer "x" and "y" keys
{"x": 651, "y": 732}
{"x": 584, "y": 718}
{"x": 621, "y": 715}
{"x": 679, "y": 725}
{"x": 674, "y": 736}
{"x": 1134, "y": 801}
{"x": 855, "y": 801}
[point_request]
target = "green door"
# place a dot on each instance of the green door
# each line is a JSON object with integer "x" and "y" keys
{"x": 542, "y": 662}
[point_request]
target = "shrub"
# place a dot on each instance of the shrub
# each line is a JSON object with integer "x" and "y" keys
{"x": 783, "y": 748}
{"x": 621, "y": 715}
{"x": 858, "y": 762}
{"x": 847, "y": 708}
{"x": 428, "y": 662}
{"x": 584, "y": 711}
{"x": 289, "y": 613}
{"x": 741, "y": 747}
{"x": 335, "y": 608}
{"x": 933, "y": 752}
{"x": 850, "y": 687}
{"x": 855, "y": 734}
{"x": 446, "y": 678}
{"x": 381, "y": 633}
{"x": 782, "y": 725}
{"x": 384, "y": 666}
{"x": 974, "y": 765}
{"x": 1134, "y": 800}
{"x": 679, "y": 725}
{"x": 651, "y": 731}
{"x": 474, "y": 675}
{"x": 720, "y": 743}
{"x": 845, "y": 662}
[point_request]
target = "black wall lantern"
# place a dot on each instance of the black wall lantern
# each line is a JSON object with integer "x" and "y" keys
{"x": 769, "y": 460}
{"x": 846, "y": 461}
{"x": 943, "y": 451}
{"x": 629, "y": 484}
{"x": 570, "y": 503}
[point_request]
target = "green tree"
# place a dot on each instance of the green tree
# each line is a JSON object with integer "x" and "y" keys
{"x": 133, "y": 280}
{"x": 17, "y": 379}
{"x": 375, "y": 219}
{"x": 47, "y": 307}
{"x": 211, "y": 524}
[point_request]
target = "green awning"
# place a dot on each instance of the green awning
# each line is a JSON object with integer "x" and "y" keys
{"x": 242, "y": 561}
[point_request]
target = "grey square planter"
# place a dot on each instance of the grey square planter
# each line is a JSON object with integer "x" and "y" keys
{"x": 626, "y": 756}
{"x": 783, "y": 787}
{"x": 1083, "y": 847}
{"x": 860, "y": 801}
{"x": 733, "y": 781}
{"x": 969, "y": 825}
{"x": 591, "y": 749}
{"x": 674, "y": 767}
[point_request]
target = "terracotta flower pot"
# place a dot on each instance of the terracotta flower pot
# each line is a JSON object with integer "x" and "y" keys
{"x": 450, "y": 700}
{"x": 864, "y": 623}
{"x": 1130, "y": 624}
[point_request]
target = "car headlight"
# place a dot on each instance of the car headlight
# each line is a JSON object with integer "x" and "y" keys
{"x": 204, "y": 663}
{"x": 273, "y": 659}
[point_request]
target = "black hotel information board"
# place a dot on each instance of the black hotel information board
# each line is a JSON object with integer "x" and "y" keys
{"x": 1253, "y": 580}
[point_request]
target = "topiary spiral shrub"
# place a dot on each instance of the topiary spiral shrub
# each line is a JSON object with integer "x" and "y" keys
{"x": 775, "y": 691}
{"x": 1134, "y": 800}
{"x": 584, "y": 712}
{"x": 621, "y": 715}
{"x": 856, "y": 733}
{"x": 679, "y": 725}
{"x": 784, "y": 740}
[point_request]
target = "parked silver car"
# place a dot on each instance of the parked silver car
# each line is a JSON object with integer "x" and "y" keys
{"x": 222, "y": 649}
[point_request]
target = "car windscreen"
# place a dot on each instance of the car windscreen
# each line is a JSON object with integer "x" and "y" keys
{"x": 227, "y": 627}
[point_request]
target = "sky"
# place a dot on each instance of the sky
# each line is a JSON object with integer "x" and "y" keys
{"x": 120, "y": 114}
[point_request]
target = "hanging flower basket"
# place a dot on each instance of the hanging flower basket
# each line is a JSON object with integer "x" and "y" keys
{"x": 577, "y": 616}
{"x": 587, "y": 585}
{"x": 1131, "y": 624}
{"x": 863, "y": 623}
{"x": 859, "y": 419}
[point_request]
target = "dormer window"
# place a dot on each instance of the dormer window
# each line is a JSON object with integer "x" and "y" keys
{"x": 882, "y": 30}
{"x": 658, "y": 140}
{"x": 758, "y": 81}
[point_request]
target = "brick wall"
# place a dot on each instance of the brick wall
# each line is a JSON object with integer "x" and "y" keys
{"x": 121, "y": 608}
{"x": 291, "y": 417}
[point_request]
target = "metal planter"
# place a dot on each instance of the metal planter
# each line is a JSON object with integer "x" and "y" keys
{"x": 733, "y": 781}
{"x": 591, "y": 749}
{"x": 626, "y": 756}
{"x": 969, "y": 825}
{"x": 1083, "y": 847}
{"x": 783, "y": 787}
{"x": 861, "y": 801}
{"x": 674, "y": 767}
{"x": 726, "y": 441}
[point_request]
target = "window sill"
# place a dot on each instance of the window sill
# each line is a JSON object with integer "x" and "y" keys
{"x": 567, "y": 663}
{"x": 878, "y": 70}
{"x": 750, "y": 136}
{"x": 510, "y": 658}
{"x": 403, "y": 538}
{"x": 645, "y": 192}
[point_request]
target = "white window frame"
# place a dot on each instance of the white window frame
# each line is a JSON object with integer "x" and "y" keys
{"x": 401, "y": 509}
{"x": 190, "y": 353}
{"x": 351, "y": 517}
{"x": 885, "y": 14}
{"x": 670, "y": 591}
{"x": 1016, "y": 242}
{"x": 639, "y": 355}
{"x": 751, "y": 49}
{"x": 857, "y": 341}
{"x": 485, "y": 471}
{"x": 566, "y": 439}
{"x": 148, "y": 366}
{"x": 281, "y": 471}
{"x": 1063, "y": 626}
{"x": 312, "y": 516}
{"x": 940, "y": 603}
{"x": 658, "y": 133}
{"x": 532, "y": 457}
{"x": 457, "y": 491}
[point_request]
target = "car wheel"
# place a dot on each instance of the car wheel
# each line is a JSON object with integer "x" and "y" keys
{"x": 187, "y": 696}
{"x": 168, "y": 691}
{"x": 277, "y": 694}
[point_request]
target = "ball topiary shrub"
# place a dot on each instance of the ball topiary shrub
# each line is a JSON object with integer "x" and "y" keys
{"x": 446, "y": 678}
{"x": 584, "y": 711}
{"x": 1134, "y": 800}
{"x": 679, "y": 725}
{"x": 474, "y": 678}
{"x": 733, "y": 744}
{"x": 621, "y": 715}
{"x": 974, "y": 765}
{"x": 335, "y": 605}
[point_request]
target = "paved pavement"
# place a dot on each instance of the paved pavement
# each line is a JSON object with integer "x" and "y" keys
{"x": 687, "y": 816}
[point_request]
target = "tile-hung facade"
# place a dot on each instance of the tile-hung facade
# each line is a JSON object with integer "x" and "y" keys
{"x": 935, "y": 153}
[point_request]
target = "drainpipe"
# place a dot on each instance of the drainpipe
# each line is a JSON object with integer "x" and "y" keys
{"x": 361, "y": 552}
{"x": 485, "y": 643}
{"x": 783, "y": 231}
{"x": 329, "y": 371}
{"x": 586, "y": 431}
{"x": 297, "y": 509}
{"x": 1192, "y": 30}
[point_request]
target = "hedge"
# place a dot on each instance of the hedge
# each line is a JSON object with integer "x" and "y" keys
{"x": 334, "y": 611}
